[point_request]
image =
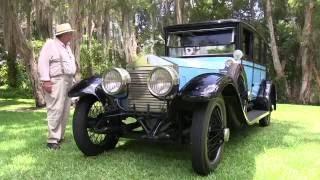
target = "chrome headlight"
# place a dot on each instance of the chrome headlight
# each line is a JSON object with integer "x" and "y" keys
{"x": 115, "y": 81}
{"x": 162, "y": 80}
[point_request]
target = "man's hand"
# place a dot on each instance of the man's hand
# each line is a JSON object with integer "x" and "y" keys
{"x": 47, "y": 86}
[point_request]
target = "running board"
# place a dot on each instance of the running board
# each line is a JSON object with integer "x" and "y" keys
{"x": 255, "y": 115}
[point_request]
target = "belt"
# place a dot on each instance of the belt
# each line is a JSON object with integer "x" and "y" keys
{"x": 60, "y": 75}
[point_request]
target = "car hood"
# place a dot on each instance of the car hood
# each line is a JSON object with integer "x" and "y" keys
{"x": 189, "y": 68}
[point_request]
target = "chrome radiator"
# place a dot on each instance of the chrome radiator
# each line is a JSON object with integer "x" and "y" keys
{"x": 139, "y": 97}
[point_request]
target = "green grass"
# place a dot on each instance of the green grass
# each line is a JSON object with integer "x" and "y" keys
{"x": 288, "y": 149}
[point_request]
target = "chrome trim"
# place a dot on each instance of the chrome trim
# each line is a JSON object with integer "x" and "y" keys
{"x": 125, "y": 80}
{"x": 226, "y": 134}
{"x": 174, "y": 79}
{"x": 139, "y": 97}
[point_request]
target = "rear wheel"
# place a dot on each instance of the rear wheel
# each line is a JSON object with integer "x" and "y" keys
{"x": 266, "y": 120}
{"x": 87, "y": 114}
{"x": 207, "y": 136}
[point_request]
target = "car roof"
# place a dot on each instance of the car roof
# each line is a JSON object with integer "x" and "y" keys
{"x": 211, "y": 22}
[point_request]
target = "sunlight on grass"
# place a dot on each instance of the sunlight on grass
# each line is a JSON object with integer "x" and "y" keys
{"x": 16, "y": 104}
{"x": 287, "y": 149}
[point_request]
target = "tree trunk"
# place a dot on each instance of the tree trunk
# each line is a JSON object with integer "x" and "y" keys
{"x": 29, "y": 25}
{"x": 306, "y": 53}
{"x": 44, "y": 18}
{"x": 10, "y": 46}
{"x": 26, "y": 52}
{"x": 317, "y": 75}
{"x": 128, "y": 32}
{"x": 274, "y": 49}
{"x": 77, "y": 16}
{"x": 12, "y": 63}
{"x": 89, "y": 42}
{"x": 106, "y": 28}
{"x": 153, "y": 26}
{"x": 179, "y": 5}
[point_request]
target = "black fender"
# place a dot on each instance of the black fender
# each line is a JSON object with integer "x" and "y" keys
{"x": 267, "y": 95}
{"x": 90, "y": 86}
{"x": 205, "y": 87}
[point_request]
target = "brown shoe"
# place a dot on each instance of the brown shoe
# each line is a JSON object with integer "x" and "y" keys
{"x": 53, "y": 146}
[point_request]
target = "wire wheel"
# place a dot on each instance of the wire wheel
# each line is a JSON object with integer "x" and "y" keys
{"x": 95, "y": 112}
{"x": 207, "y": 135}
{"x": 87, "y": 121}
{"x": 215, "y": 134}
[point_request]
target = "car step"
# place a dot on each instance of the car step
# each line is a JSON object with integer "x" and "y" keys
{"x": 256, "y": 115}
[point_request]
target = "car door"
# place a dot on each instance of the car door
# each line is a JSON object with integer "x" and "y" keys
{"x": 259, "y": 70}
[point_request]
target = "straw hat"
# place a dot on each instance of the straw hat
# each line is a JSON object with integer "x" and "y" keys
{"x": 63, "y": 28}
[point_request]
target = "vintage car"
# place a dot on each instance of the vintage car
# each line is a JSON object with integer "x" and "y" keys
{"x": 213, "y": 78}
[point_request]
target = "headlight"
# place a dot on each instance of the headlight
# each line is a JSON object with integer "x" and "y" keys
{"x": 115, "y": 81}
{"x": 162, "y": 80}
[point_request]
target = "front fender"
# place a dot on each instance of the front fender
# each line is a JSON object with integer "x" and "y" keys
{"x": 205, "y": 87}
{"x": 89, "y": 86}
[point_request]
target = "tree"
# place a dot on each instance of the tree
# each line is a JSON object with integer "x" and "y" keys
{"x": 77, "y": 17}
{"x": 44, "y": 18}
{"x": 128, "y": 41}
{"x": 179, "y": 6}
{"x": 274, "y": 49}
{"x": 11, "y": 47}
{"x": 26, "y": 52}
{"x": 306, "y": 53}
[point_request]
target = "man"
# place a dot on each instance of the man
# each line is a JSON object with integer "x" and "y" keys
{"x": 57, "y": 68}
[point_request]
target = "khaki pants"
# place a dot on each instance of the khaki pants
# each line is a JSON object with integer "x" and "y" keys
{"x": 58, "y": 107}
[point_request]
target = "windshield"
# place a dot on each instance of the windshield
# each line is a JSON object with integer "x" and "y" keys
{"x": 204, "y": 42}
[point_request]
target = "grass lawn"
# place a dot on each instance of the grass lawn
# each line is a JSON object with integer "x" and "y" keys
{"x": 288, "y": 149}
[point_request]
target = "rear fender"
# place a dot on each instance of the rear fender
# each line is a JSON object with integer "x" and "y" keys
{"x": 267, "y": 95}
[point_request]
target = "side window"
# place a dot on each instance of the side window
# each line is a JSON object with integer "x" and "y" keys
{"x": 257, "y": 50}
{"x": 264, "y": 53}
{"x": 247, "y": 38}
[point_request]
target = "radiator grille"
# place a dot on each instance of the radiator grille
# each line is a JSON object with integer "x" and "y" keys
{"x": 139, "y": 96}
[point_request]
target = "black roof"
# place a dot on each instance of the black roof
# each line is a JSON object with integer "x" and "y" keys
{"x": 208, "y": 24}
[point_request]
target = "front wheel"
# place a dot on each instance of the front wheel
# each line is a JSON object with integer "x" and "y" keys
{"x": 87, "y": 114}
{"x": 209, "y": 130}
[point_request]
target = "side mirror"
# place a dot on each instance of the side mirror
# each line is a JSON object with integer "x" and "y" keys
{"x": 237, "y": 55}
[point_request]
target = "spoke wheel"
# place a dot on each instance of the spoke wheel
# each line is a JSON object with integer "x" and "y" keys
{"x": 215, "y": 134}
{"x": 207, "y": 136}
{"x": 95, "y": 111}
{"x": 86, "y": 120}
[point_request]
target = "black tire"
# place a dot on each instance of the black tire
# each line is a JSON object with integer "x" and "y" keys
{"x": 204, "y": 120}
{"x": 266, "y": 120}
{"x": 81, "y": 130}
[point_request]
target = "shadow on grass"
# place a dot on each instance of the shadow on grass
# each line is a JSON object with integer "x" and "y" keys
{"x": 23, "y": 153}
{"x": 239, "y": 153}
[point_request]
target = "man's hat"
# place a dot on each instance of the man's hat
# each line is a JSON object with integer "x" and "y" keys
{"x": 63, "y": 28}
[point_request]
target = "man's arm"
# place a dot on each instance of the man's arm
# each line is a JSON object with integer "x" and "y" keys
{"x": 43, "y": 67}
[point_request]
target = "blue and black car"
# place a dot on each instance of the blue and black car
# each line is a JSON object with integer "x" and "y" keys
{"x": 212, "y": 79}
